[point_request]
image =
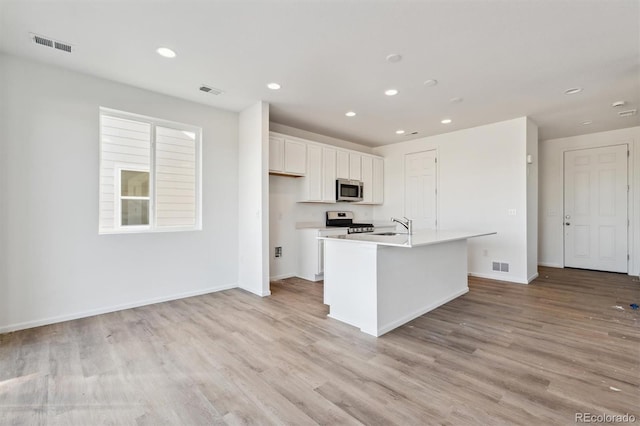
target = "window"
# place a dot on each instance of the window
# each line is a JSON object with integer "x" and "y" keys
{"x": 149, "y": 174}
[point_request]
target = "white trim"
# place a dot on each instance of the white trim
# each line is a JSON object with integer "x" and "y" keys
{"x": 507, "y": 279}
{"x": 114, "y": 308}
{"x": 257, "y": 293}
{"x": 551, "y": 265}
{"x": 281, "y": 277}
{"x": 532, "y": 277}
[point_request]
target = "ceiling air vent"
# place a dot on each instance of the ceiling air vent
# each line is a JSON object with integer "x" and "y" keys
{"x": 49, "y": 42}
{"x": 211, "y": 90}
{"x": 628, "y": 113}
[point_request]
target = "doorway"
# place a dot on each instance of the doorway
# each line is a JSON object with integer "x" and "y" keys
{"x": 596, "y": 208}
{"x": 420, "y": 200}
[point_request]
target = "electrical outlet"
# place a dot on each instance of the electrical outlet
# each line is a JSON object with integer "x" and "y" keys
{"x": 278, "y": 251}
{"x": 511, "y": 212}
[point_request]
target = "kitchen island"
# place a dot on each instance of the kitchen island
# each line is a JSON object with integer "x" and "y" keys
{"x": 378, "y": 282}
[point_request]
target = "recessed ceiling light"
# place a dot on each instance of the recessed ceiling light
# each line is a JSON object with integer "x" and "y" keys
{"x": 350, "y": 114}
{"x": 430, "y": 82}
{"x": 455, "y": 100}
{"x": 573, "y": 91}
{"x": 400, "y": 132}
{"x": 393, "y": 58}
{"x": 586, "y": 123}
{"x": 617, "y": 104}
{"x": 391, "y": 92}
{"x": 446, "y": 121}
{"x": 273, "y": 86}
{"x": 166, "y": 52}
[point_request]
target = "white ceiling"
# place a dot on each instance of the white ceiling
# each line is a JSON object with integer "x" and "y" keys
{"x": 506, "y": 59}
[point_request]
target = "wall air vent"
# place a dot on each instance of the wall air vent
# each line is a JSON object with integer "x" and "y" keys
{"x": 43, "y": 41}
{"x": 211, "y": 90}
{"x": 628, "y": 113}
{"x": 49, "y": 42}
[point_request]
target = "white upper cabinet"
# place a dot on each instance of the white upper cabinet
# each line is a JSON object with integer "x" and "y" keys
{"x": 276, "y": 154}
{"x": 355, "y": 166}
{"x": 342, "y": 164}
{"x": 329, "y": 175}
{"x": 287, "y": 157}
{"x": 372, "y": 179}
{"x": 367, "y": 179}
{"x": 320, "y": 165}
{"x": 312, "y": 183}
{"x": 378, "y": 180}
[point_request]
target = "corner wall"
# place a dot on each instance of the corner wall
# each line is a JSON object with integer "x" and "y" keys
{"x": 54, "y": 264}
{"x": 481, "y": 176}
{"x": 253, "y": 199}
{"x": 532, "y": 201}
{"x": 551, "y": 249}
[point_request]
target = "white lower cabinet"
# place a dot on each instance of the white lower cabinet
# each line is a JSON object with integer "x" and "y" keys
{"x": 311, "y": 252}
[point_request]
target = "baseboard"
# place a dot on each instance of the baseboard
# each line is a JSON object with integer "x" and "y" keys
{"x": 108, "y": 309}
{"x": 257, "y": 293}
{"x": 508, "y": 279}
{"x": 550, "y": 264}
{"x": 281, "y": 277}
{"x": 405, "y": 319}
{"x": 532, "y": 277}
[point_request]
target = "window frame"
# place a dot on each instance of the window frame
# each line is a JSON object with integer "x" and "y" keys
{"x": 117, "y": 205}
{"x": 118, "y": 167}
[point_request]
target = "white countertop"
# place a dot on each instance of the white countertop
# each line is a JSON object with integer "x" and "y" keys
{"x": 418, "y": 238}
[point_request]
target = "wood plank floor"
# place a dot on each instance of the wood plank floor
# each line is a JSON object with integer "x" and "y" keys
{"x": 501, "y": 354}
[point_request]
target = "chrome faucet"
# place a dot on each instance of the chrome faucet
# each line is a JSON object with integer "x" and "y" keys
{"x": 407, "y": 223}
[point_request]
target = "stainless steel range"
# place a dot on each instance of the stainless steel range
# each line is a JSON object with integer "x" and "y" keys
{"x": 344, "y": 219}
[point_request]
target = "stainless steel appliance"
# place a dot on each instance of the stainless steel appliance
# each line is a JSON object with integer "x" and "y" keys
{"x": 348, "y": 190}
{"x": 344, "y": 219}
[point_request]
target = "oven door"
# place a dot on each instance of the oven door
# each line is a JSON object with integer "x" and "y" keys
{"x": 348, "y": 190}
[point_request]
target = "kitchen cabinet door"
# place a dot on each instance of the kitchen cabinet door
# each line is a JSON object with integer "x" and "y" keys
{"x": 355, "y": 169}
{"x": 329, "y": 175}
{"x": 312, "y": 184}
{"x": 342, "y": 165}
{"x": 276, "y": 154}
{"x": 378, "y": 181}
{"x": 367, "y": 179}
{"x": 295, "y": 157}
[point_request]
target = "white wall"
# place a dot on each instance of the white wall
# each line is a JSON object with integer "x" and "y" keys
{"x": 285, "y": 212}
{"x": 551, "y": 250}
{"x": 253, "y": 213}
{"x": 532, "y": 201}
{"x": 481, "y": 175}
{"x": 55, "y": 266}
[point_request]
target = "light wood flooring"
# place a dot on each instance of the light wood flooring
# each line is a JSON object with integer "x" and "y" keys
{"x": 502, "y": 354}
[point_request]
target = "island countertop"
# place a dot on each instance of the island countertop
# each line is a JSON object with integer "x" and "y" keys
{"x": 417, "y": 239}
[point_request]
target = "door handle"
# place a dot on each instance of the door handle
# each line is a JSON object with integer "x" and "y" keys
{"x": 567, "y": 223}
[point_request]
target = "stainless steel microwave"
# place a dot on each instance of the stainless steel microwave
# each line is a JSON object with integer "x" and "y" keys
{"x": 348, "y": 190}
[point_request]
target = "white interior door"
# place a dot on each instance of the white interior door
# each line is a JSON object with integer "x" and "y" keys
{"x": 595, "y": 208}
{"x": 420, "y": 189}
